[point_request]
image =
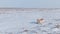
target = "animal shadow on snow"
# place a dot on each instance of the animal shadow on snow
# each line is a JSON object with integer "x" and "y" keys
{"x": 33, "y": 22}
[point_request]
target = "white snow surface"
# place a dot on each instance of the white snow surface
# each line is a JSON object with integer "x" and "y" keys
{"x": 24, "y": 22}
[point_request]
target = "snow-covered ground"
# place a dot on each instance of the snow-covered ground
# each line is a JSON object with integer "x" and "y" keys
{"x": 25, "y": 22}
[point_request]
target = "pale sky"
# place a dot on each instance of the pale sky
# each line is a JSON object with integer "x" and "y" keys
{"x": 30, "y": 3}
